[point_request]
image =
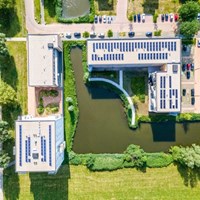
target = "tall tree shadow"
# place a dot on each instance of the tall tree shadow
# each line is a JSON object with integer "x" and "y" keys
{"x": 50, "y": 6}
{"x": 190, "y": 176}
{"x": 11, "y": 183}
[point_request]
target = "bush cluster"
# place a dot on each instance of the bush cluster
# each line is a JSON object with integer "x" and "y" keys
{"x": 133, "y": 157}
{"x": 49, "y": 93}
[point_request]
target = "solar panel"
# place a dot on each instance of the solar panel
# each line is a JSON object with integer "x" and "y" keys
{"x": 99, "y": 45}
{"x": 160, "y": 56}
{"x": 129, "y": 47}
{"x": 114, "y": 45}
{"x": 122, "y": 56}
{"x": 111, "y": 44}
{"x": 170, "y": 82}
{"x": 168, "y": 46}
{"x": 161, "y": 82}
{"x": 20, "y": 145}
{"x": 45, "y": 153}
{"x": 92, "y": 56}
{"x": 170, "y": 103}
{"x": 50, "y": 161}
{"x": 164, "y": 81}
{"x": 120, "y": 46}
{"x": 145, "y": 56}
{"x": 151, "y": 46}
{"x": 174, "y": 46}
{"x": 151, "y": 56}
{"x": 162, "y": 44}
{"x": 170, "y": 93}
{"x": 138, "y": 45}
{"x": 163, "y": 56}
{"x": 166, "y": 55}
{"x": 123, "y": 46}
{"x": 159, "y": 46}
{"x": 165, "y": 44}
{"x": 132, "y": 46}
{"x": 160, "y": 93}
{"x": 26, "y": 152}
{"x": 96, "y": 45}
{"x": 108, "y": 47}
{"x": 126, "y": 46}
{"x": 157, "y": 56}
{"x": 164, "y": 104}
{"x": 147, "y": 46}
{"x": 110, "y": 57}
{"x": 148, "y": 56}
{"x": 93, "y": 47}
{"x": 141, "y": 45}
{"x": 141, "y": 56}
{"x": 102, "y": 45}
{"x": 176, "y": 93}
{"x": 107, "y": 57}
{"x": 176, "y": 103}
{"x": 156, "y": 46}
{"x": 116, "y": 57}
{"x": 138, "y": 56}
{"x": 161, "y": 104}
{"x": 164, "y": 94}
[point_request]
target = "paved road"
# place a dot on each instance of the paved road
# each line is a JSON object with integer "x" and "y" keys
{"x": 16, "y": 39}
{"x": 42, "y": 11}
{"x": 121, "y": 24}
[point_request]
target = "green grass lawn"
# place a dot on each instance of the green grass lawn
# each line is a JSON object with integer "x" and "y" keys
{"x": 77, "y": 182}
{"x": 37, "y": 11}
{"x": 17, "y": 27}
{"x": 102, "y": 7}
{"x": 49, "y": 12}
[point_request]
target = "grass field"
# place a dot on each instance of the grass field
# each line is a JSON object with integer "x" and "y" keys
{"x": 16, "y": 28}
{"x": 154, "y": 6}
{"x": 103, "y": 8}
{"x": 77, "y": 182}
{"x": 49, "y": 12}
{"x": 37, "y": 11}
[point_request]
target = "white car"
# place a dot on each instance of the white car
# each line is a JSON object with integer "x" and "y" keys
{"x": 198, "y": 44}
{"x": 92, "y": 34}
{"x": 104, "y": 18}
{"x": 101, "y": 35}
{"x": 171, "y": 17}
{"x": 68, "y": 35}
{"x": 143, "y": 17}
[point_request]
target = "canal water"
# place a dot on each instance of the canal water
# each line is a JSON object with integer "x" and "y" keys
{"x": 103, "y": 127}
{"x": 75, "y": 8}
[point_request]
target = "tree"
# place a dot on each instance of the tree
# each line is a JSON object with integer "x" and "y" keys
{"x": 5, "y": 134}
{"x": 3, "y": 48}
{"x": 110, "y": 33}
{"x": 7, "y": 94}
{"x": 4, "y": 159}
{"x": 189, "y": 29}
{"x": 189, "y": 11}
{"x": 6, "y": 4}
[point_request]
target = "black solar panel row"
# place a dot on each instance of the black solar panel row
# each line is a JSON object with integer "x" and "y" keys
{"x": 108, "y": 57}
{"x": 152, "y": 56}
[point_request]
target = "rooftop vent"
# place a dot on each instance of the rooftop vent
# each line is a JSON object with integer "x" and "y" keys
{"x": 50, "y": 45}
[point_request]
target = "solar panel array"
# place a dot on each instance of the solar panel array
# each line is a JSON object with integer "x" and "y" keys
{"x": 110, "y": 49}
{"x": 50, "y": 153}
{"x": 173, "y": 93}
{"x": 162, "y": 92}
{"x": 20, "y": 145}
{"x": 152, "y": 56}
{"x": 28, "y": 149}
{"x": 43, "y": 149}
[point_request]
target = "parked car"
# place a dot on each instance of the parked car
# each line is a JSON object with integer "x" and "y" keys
{"x": 171, "y": 17}
{"x": 166, "y": 17}
{"x": 162, "y": 17}
{"x": 184, "y": 67}
{"x": 95, "y": 19}
{"x": 184, "y": 48}
{"x": 104, "y": 18}
{"x": 109, "y": 20}
{"x": 68, "y": 35}
{"x": 192, "y": 66}
{"x": 176, "y": 17}
{"x": 101, "y": 35}
{"x": 100, "y": 19}
{"x": 188, "y": 74}
{"x": 92, "y": 34}
{"x": 192, "y": 100}
{"x": 135, "y": 18}
{"x": 192, "y": 92}
{"x": 62, "y": 35}
{"x": 149, "y": 34}
{"x": 138, "y": 17}
{"x": 143, "y": 17}
{"x": 198, "y": 44}
{"x": 77, "y": 34}
{"x": 184, "y": 92}
{"x": 131, "y": 34}
{"x": 198, "y": 16}
{"x": 188, "y": 66}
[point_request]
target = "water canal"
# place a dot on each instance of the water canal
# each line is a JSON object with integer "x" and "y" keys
{"x": 75, "y": 8}
{"x": 103, "y": 127}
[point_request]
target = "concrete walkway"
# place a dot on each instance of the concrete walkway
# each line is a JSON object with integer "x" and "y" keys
{"x": 16, "y": 39}
{"x": 125, "y": 93}
{"x": 42, "y": 11}
{"x": 121, "y": 83}
{"x": 1, "y": 183}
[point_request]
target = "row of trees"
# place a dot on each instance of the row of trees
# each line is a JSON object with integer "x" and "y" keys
{"x": 7, "y": 96}
{"x": 189, "y": 25}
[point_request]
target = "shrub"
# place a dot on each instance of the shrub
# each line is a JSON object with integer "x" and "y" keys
{"x": 135, "y": 155}
{"x": 86, "y": 34}
{"x": 105, "y": 163}
{"x": 157, "y": 33}
{"x": 110, "y": 33}
{"x": 155, "y": 16}
{"x": 158, "y": 160}
{"x": 40, "y": 110}
{"x": 144, "y": 118}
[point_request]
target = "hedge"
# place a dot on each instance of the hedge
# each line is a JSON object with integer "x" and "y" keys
{"x": 89, "y": 18}
{"x": 158, "y": 160}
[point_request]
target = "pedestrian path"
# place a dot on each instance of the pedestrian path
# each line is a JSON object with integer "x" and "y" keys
{"x": 16, "y": 39}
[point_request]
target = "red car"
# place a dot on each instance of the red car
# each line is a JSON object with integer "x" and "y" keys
{"x": 176, "y": 17}
{"x": 188, "y": 66}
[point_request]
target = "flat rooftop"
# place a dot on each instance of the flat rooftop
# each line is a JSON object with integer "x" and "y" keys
{"x": 130, "y": 52}
{"x": 41, "y": 59}
{"x": 165, "y": 93}
{"x": 35, "y": 144}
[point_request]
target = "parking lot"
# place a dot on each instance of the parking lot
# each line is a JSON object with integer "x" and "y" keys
{"x": 187, "y": 79}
